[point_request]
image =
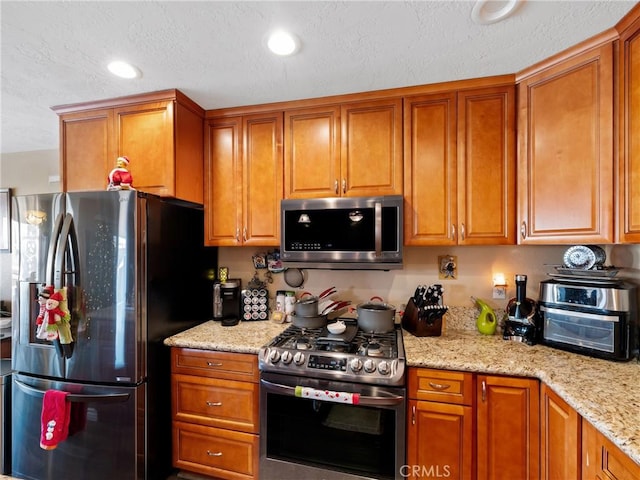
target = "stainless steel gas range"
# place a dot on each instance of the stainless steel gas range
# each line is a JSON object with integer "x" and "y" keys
{"x": 332, "y": 405}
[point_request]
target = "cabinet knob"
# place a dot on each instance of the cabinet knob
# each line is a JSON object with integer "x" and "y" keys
{"x": 462, "y": 231}
{"x": 344, "y": 185}
{"x": 214, "y": 404}
{"x": 453, "y": 232}
{"x": 335, "y": 186}
{"x": 484, "y": 390}
{"x": 237, "y": 234}
{"x": 439, "y": 386}
{"x": 244, "y": 234}
{"x": 523, "y": 230}
{"x": 214, "y": 454}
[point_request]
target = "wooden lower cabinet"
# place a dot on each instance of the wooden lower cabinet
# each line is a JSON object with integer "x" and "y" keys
{"x": 560, "y": 434}
{"x": 214, "y": 401}
{"x": 439, "y": 424}
{"x": 508, "y": 434}
{"x": 602, "y": 460}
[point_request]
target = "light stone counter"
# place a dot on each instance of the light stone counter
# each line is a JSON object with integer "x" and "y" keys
{"x": 606, "y": 393}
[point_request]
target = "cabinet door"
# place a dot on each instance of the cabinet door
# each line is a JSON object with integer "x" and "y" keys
{"x": 312, "y": 152}
{"x": 601, "y": 459}
{"x": 430, "y": 183}
{"x": 439, "y": 441}
{"x": 560, "y": 440}
{"x": 371, "y": 151}
{"x": 508, "y": 439}
{"x": 262, "y": 174}
{"x": 629, "y": 174}
{"x": 565, "y": 171}
{"x": 86, "y": 140}
{"x": 145, "y": 135}
{"x": 487, "y": 166}
{"x": 223, "y": 189}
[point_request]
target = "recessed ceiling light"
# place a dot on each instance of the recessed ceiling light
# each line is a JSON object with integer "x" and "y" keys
{"x": 486, "y": 12}
{"x": 124, "y": 69}
{"x": 283, "y": 43}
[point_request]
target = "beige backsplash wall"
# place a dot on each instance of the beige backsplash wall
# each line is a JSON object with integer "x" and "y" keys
{"x": 476, "y": 267}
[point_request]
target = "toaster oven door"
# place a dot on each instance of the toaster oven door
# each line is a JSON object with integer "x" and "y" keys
{"x": 603, "y": 335}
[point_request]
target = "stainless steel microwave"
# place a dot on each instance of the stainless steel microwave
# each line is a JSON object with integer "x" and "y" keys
{"x": 349, "y": 233}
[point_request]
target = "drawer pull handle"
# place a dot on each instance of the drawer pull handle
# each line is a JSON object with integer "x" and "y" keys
{"x": 214, "y": 364}
{"x": 214, "y": 404}
{"x": 214, "y": 454}
{"x": 438, "y": 386}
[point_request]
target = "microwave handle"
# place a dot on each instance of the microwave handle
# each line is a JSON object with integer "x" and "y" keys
{"x": 378, "y": 224}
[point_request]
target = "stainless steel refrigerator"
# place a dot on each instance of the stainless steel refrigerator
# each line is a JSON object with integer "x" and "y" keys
{"x": 135, "y": 271}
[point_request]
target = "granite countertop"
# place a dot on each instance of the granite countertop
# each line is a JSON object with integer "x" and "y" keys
{"x": 605, "y": 393}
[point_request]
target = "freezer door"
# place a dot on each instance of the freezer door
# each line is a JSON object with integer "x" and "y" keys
{"x": 104, "y": 443}
{"x": 37, "y": 221}
{"x": 109, "y": 229}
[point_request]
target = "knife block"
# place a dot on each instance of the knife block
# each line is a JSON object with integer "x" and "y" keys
{"x": 417, "y": 326}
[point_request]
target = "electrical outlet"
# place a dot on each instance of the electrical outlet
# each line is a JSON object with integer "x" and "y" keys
{"x": 500, "y": 293}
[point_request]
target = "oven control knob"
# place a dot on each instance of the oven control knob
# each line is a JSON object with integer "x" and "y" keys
{"x": 298, "y": 358}
{"x": 369, "y": 366}
{"x": 384, "y": 368}
{"x": 275, "y": 356}
{"x": 286, "y": 357}
{"x": 356, "y": 365}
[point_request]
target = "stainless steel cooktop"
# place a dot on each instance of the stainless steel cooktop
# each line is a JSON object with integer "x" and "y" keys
{"x": 353, "y": 355}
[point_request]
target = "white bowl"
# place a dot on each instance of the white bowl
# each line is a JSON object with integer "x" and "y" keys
{"x": 336, "y": 327}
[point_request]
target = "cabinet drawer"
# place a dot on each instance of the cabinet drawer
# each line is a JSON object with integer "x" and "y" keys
{"x": 232, "y": 366}
{"x": 440, "y": 386}
{"x": 216, "y": 403}
{"x": 215, "y": 452}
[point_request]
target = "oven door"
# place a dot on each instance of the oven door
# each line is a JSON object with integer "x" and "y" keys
{"x": 319, "y": 439}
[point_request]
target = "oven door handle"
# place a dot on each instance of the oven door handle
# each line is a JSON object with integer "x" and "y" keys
{"x": 387, "y": 399}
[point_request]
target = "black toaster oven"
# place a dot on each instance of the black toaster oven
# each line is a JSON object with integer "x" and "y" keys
{"x": 596, "y": 318}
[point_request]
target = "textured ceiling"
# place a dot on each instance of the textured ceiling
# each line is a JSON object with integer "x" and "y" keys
{"x": 55, "y": 52}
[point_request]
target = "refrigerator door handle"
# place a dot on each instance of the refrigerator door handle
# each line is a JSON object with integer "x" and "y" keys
{"x": 76, "y": 397}
{"x": 51, "y": 254}
{"x": 67, "y": 235}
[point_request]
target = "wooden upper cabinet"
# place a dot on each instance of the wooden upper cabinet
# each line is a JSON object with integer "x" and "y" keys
{"x": 430, "y": 186}
{"x": 460, "y": 167}
{"x": 565, "y": 170}
{"x": 312, "y": 152}
{"x": 629, "y": 121}
{"x": 371, "y": 151}
{"x": 487, "y": 166}
{"x": 262, "y": 175}
{"x": 223, "y": 187}
{"x": 87, "y": 153}
{"x": 160, "y": 132}
{"x": 243, "y": 185}
{"x": 352, "y": 149}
